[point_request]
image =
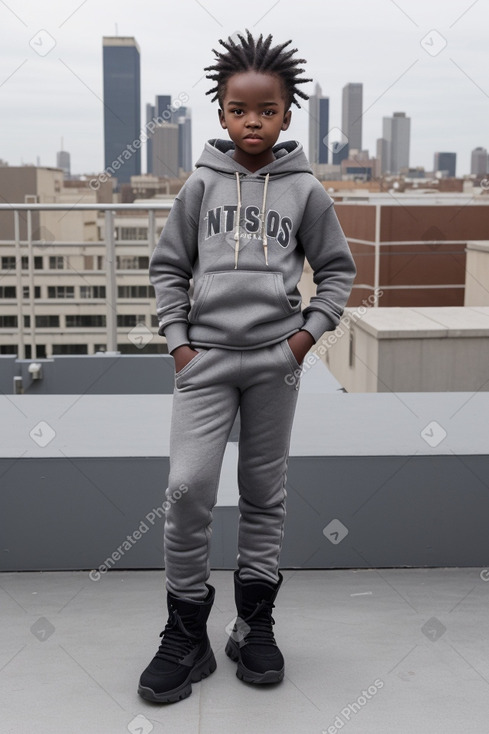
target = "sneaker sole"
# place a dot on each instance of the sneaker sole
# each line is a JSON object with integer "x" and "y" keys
{"x": 249, "y": 676}
{"x": 201, "y": 670}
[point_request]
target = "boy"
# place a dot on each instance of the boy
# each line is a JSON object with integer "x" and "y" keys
{"x": 240, "y": 227}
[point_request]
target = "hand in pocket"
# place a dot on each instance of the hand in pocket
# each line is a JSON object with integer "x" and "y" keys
{"x": 182, "y": 356}
{"x": 300, "y": 343}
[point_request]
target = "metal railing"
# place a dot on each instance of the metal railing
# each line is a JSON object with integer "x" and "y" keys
{"x": 109, "y": 242}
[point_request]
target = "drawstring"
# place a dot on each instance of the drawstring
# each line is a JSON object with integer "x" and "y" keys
{"x": 238, "y": 218}
{"x": 263, "y": 223}
{"x": 263, "y": 228}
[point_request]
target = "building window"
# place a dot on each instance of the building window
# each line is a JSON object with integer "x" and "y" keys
{"x": 93, "y": 262}
{"x": 8, "y": 322}
{"x": 37, "y": 262}
{"x": 129, "y": 320}
{"x": 154, "y": 320}
{"x": 132, "y": 233}
{"x": 135, "y": 291}
{"x": 125, "y": 262}
{"x": 27, "y": 322}
{"x": 148, "y": 349}
{"x": 92, "y": 291}
{"x": 8, "y": 262}
{"x": 9, "y": 349}
{"x": 70, "y": 349}
{"x": 26, "y": 291}
{"x": 56, "y": 262}
{"x": 61, "y": 291}
{"x": 46, "y": 322}
{"x": 84, "y": 321}
{"x": 7, "y": 291}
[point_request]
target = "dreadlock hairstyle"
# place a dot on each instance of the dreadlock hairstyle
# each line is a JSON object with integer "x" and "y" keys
{"x": 261, "y": 56}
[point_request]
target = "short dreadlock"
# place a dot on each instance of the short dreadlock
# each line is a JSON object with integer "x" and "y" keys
{"x": 251, "y": 55}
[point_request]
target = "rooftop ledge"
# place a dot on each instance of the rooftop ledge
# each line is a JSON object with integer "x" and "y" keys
{"x": 423, "y": 322}
{"x": 330, "y": 424}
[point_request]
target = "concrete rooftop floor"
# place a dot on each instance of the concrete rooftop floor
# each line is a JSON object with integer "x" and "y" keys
{"x": 368, "y": 651}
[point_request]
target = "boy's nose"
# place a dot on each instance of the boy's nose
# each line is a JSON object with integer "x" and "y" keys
{"x": 253, "y": 120}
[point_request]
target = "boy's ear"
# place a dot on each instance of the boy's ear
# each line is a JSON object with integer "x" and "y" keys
{"x": 287, "y": 118}
{"x": 221, "y": 119}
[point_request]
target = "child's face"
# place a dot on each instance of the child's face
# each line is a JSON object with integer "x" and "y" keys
{"x": 253, "y": 112}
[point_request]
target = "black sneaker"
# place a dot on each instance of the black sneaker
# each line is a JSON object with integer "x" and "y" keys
{"x": 251, "y": 643}
{"x": 184, "y": 656}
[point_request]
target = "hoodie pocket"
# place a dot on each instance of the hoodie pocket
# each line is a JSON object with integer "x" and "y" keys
{"x": 241, "y": 302}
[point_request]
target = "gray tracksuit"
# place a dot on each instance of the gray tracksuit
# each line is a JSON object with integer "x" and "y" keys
{"x": 242, "y": 238}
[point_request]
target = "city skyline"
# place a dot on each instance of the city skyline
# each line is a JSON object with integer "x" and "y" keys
{"x": 408, "y": 57}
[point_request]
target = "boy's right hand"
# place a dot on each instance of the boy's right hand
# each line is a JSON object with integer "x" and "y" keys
{"x": 182, "y": 356}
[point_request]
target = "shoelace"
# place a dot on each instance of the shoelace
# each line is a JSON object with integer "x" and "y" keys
{"x": 260, "y": 622}
{"x": 176, "y": 642}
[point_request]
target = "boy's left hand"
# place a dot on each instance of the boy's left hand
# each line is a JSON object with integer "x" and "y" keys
{"x": 300, "y": 343}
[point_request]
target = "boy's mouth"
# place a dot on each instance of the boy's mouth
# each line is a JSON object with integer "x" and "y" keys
{"x": 252, "y": 136}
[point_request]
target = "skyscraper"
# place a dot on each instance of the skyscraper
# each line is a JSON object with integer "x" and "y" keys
{"x": 184, "y": 119}
{"x": 479, "y": 161}
{"x": 165, "y": 150}
{"x": 63, "y": 161}
{"x": 150, "y": 115}
{"x": 382, "y": 155}
{"x": 446, "y": 162}
{"x": 397, "y": 133}
{"x": 163, "y": 107}
{"x": 318, "y": 126}
{"x": 122, "y": 105}
{"x": 163, "y": 112}
{"x": 351, "y": 116}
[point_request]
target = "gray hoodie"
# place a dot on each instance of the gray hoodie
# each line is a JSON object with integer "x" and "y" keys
{"x": 242, "y": 237}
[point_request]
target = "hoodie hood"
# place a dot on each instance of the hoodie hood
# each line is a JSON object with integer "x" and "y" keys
{"x": 289, "y": 158}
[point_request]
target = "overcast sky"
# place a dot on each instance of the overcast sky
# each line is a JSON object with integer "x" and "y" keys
{"x": 443, "y": 88}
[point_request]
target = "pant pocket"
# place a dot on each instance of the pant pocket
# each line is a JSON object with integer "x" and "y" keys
{"x": 290, "y": 355}
{"x": 201, "y": 352}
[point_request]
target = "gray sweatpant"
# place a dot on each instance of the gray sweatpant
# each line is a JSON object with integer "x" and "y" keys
{"x": 263, "y": 383}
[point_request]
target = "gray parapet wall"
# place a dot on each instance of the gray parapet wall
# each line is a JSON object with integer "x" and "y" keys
{"x": 374, "y": 480}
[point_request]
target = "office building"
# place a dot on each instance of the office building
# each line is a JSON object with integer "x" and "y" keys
{"x": 397, "y": 132}
{"x": 446, "y": 164}
{"x": 318, "y": 127}
{"x": 56, "y": 302}
{"x": 479, "y": 162}
{"x": 358, "y": 166}
{"x": 382, "y": 155}
{"x": 351, "y": 118}
{"x": 122, "y": 106}
{"x": 163, "y": 107}
{"x": 184, "y": 120}
{"x": 165, "y": 150}
{"x": 150, "y": 116}
{"x": 164, "y": 112}
{"x": 63, "y": 161}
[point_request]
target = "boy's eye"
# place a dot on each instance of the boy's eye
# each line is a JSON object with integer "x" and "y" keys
{"x": 239, "y": 112}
